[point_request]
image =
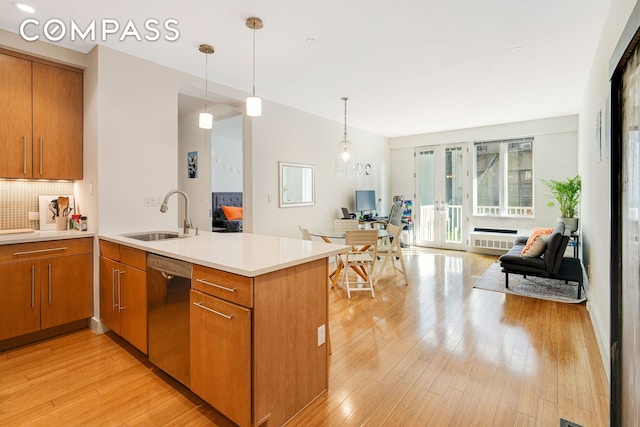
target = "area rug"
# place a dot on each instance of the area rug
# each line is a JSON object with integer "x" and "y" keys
{"x": 533, "y": 287}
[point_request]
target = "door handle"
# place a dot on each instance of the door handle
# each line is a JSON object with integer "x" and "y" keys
{"x": 120, "y": 273}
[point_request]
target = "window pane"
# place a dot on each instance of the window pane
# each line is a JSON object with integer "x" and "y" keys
{"x": 487, "y": 178}
{"x": 519, "y": 178}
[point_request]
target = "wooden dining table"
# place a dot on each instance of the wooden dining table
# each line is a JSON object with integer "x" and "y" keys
{"x": 327, "y": 234}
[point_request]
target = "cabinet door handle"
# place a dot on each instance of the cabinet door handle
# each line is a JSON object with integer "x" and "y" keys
{"x": 33, "y": 286}
{"x": 41, "y": 155}
{"x": 204, "y": 307}
{"x": 113, "y": 288}
{"x": 120, "y": 273}
{"x": 224, "y": 288}
{"x": 49, "y": 274}
{"x": 39, "y": 251}
{"x": 25, "y": 155}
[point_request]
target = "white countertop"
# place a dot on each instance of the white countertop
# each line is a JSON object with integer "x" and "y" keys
{"x": 41, "y": 236}
{"x": 240, "y": 253}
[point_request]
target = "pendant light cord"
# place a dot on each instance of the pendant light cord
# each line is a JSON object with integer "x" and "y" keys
{"x": 345, "y": 117}
{"x": 206, "y": 80}
{"x": 254, "y": 58}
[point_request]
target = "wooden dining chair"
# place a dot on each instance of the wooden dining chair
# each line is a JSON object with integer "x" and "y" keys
{"x": 346, "y": 224}
{"x": 361, "y": 258}
{"x": 305, "y": 233}
{"x": 393, "y": 252}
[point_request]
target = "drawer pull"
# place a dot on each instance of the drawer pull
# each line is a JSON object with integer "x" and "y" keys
{"x": 39, "y": 251}
{"x": 224, "y": 288}
{"x": 33, "y": 286}
{"x": 202, "y": 306}
{"x": 49, "y": 274}
{"x": 24, "y": 167}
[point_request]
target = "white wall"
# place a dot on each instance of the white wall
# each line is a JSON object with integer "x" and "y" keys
{"x": 226, "y": 154}
{"x": 595, "y": 209}
{"x": 554, "y": 157}
{"x": 285, "y": 134}
{"x": 192, "y": 138}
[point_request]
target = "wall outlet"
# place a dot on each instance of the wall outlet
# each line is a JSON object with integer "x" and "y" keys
{"x": 149, "y": 201}
{"x": 34, "y": 216}
{"x": 321, "y": 335}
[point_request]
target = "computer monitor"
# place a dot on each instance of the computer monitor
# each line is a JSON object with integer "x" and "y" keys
{"x": 365, "y": 200}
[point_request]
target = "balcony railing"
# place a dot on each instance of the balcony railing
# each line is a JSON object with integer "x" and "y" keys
{"x": 431, "y": 216}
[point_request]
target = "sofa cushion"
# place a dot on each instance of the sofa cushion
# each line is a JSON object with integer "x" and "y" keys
{"x": 536, "y": 247}
{"x": 232, "y": 213}
{"x": 533, "y": 238}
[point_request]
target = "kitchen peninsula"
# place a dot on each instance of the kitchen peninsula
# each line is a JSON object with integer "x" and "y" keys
{"x": 258, "y": 317}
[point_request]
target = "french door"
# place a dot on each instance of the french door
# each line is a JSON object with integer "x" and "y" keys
{"x": 440, "y": 196}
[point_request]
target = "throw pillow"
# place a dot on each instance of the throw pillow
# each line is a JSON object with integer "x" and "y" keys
{"x": 537, "y": 248}
{"x": 232, "y": 212}
{"x": 538, "y": 231}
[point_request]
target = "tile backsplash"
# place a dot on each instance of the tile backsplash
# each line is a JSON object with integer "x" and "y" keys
{"x": 19, "y": 197}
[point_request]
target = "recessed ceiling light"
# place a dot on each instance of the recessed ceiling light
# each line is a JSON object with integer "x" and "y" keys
{"x": 310, "y": 40}
{"x": 516, "y": 49}
{"x": 24, "y": 7}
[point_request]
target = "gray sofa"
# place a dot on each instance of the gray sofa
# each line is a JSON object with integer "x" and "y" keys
{"x": 551, "y": 264}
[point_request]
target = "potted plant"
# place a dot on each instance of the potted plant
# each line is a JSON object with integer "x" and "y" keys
{"x": 567, "y": 195}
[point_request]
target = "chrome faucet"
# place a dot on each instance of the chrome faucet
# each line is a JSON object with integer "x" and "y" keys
{"x": 187, "y": 219}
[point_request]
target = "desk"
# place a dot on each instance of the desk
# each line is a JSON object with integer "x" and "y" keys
{"x": 340, "y": 233}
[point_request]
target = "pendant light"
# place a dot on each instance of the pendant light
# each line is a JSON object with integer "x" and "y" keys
{"x": 206, "y": 119}
{"x": 345, "y": 148}
{"x": 254, "y": 104}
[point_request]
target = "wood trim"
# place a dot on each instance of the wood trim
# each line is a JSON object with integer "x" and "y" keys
{"x": 44, "y": 334}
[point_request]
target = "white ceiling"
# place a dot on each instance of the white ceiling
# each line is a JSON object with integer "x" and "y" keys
{"x": 407, "y": 66}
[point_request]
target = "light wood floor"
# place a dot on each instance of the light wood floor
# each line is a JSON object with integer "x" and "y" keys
{"x": 434, "y": 353}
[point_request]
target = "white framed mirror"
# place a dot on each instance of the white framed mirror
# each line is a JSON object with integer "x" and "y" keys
{"x": 297, "y": 186}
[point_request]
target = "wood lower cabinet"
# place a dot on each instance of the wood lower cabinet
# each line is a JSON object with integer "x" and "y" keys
{"x": 221, "y": 351}
{"x": 45, "y": 284}
{"x": 123, "y": 292}
{"x": 254, "y": 348}
{"x": 41, "y": 110}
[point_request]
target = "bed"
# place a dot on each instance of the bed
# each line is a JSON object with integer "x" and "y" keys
{"x": 220, "y": 222}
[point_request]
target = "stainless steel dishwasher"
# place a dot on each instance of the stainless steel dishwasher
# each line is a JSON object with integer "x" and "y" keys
{"x": 168, "y": 285}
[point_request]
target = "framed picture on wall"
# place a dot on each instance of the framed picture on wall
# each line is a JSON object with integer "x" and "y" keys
{"x": 192, "y": 164}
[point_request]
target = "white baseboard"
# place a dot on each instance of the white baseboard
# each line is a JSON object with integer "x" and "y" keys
{"x": 98, "y": 327}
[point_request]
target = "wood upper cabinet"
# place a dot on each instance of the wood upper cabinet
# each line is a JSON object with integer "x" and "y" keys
{"x": 45, "y": 284}
{"x": 15, "y": 111}
{"x": 123, "y": 292}
{"x": 57, "y": 123}
{"x": 41, "y": 110}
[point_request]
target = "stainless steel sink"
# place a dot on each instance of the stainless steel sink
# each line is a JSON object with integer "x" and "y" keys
{"x": 153, "y": 235}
